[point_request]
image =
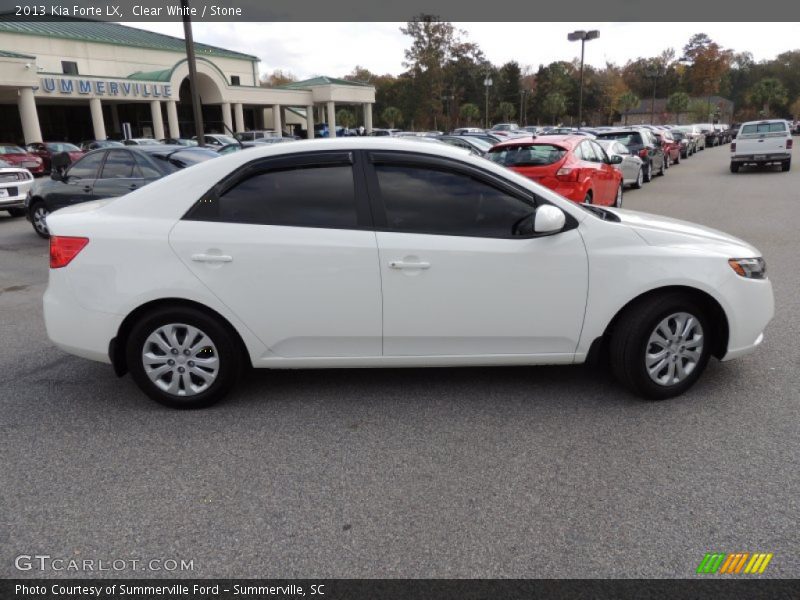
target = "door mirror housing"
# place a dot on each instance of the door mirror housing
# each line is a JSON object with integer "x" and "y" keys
{"x": 549, "y": 219}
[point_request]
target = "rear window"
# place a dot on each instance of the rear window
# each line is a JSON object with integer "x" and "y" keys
{"x": 527, "y": 155}
{"x": 11, "y": 150}
{"x": 626, "y": 138}
{"x": 181, "y": 159}
{"x": 764, "y": 128}
{"x": 62, "y": 147}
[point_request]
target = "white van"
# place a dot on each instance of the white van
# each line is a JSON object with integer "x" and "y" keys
{"x": 762, "y": 143}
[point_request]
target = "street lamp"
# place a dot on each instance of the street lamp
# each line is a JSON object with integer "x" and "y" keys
{"x": 654, "y": 72}
{"x": 522, "y": 114}
{"x": 487, "y": 83}
{"x": 583, "y": 36}
{"x": 448, "y": 98}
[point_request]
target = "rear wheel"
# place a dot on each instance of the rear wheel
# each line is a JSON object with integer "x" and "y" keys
{"x": 786, "y": 165}
{"x": 16, "y": 212}
{"x": 678, "y": 158}
{"x": 648, "y": 172}
{"x": 618, "y": 197}
{"x": 660, "y": 346}
{"x": 182, "y": 357}
{"x": 639, "y": 179}
{"x": 734, "y": 167}
{"x": 39, "y": 215}
{"x": 588, "y": 198}
{"x": 663, "y": 166}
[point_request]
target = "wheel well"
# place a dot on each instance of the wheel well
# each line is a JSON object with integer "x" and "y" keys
{"x": 714, "y": 312}
{"x": 116, "y": 348}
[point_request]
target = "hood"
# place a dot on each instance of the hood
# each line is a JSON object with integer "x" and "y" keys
{"x": 656, "y": 230}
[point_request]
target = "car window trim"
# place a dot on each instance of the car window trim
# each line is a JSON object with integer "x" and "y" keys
{"x": 97, "y": 172}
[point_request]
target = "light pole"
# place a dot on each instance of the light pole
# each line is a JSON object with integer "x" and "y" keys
{"x": 655, "y": 72}
{"x": 448, "y": 98}
{"x": 583, "y": 36}
{"x": 487, "y": 83}
{"x": 521, "y": 106}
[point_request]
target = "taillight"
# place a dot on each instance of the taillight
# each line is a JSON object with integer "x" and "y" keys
{"x": 789, "y": 143}
{"x": 567, "y": 174}
{"x": 64, "y": 249}
{"x": 643, "y": 153}
{"x": 733, "y": 146}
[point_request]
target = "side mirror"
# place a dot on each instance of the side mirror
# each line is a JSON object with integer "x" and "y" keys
{"x": 615, "y": 159}
{"x": 549, "y": 219}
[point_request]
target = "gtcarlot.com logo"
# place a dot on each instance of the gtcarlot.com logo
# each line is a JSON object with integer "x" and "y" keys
{"x": 719, "y": 563}
{"x": 45, "y": 562}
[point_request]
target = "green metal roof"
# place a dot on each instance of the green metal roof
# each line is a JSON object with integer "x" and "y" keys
{"x": 7, "y": 54}
{"x": 322, "y": 80}
{"x": 163, "y": 75}
{"x": 104, "y": 32}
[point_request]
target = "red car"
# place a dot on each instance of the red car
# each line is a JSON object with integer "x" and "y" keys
{"x": 46, "y": 150}
{"x": 572, "y": 165}
{"x": 671, "y": 147}
{"x": 17, "y": 157}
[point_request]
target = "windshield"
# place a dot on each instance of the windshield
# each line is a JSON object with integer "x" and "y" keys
{"x": 527, "y": 155}
{"x": 11, "y": 150}
{"x": 626, "y": 138}
{"x": 62, "y": 147}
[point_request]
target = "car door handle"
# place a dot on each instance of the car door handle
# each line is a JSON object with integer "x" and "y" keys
{"x": 87, "y": 188}
{"x": 212, "y": 258}
{"x": 132, "y": 186}
{"x": 399, "y": 264}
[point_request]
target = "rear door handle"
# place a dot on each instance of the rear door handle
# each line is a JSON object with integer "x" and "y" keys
{"x": 399, "y": 264}
{"x": 87, "y": 188}
{"x": 212, "y": 258}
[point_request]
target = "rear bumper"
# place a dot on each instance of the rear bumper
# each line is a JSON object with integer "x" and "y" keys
{"x": 761, "y": 158}
{"x": 17, "y": 191}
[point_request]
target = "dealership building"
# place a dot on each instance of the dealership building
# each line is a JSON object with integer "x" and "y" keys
{"x": 79, "y": 80}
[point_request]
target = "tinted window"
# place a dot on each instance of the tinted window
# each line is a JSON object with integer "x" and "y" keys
{"x": 119, "y": 165}
{"x": 303, "y": 197}
{"x": 61, "y": 147}
{"x": 764, "y": 128}
{"x": 599, "y": 153}
{"x": 86, "y": 167}
{"x": 422, "y": 200}
{"x": 624, "y": 137}
{"x": 587, "y": 152}
{"x": 527, "y": 155}
{"x": 147, "y": 170}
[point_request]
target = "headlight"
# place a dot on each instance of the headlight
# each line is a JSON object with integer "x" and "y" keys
{"x": 750, "y": 268}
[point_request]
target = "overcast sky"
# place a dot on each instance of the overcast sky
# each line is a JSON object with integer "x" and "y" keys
{"x": 309, "y": 49}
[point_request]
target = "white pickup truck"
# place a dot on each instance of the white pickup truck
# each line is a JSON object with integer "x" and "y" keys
{"x": 761, "y": 143}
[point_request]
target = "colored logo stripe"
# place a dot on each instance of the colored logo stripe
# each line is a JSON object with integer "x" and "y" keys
{"x": 717, "y": 562}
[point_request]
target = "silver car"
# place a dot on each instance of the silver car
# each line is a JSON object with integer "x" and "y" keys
{"x": 631, "y": 165}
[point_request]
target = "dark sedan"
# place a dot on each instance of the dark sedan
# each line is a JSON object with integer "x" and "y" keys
{"x": 106, "y": 173}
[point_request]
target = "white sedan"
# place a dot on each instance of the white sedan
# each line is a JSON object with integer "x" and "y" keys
{"x": 370, "y": 252}
{"x": 15, "y": 183}
{"x": 631, "y": 165}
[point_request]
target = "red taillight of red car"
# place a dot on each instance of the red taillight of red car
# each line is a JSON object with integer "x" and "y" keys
{"x": 64, "y": 249}
{"x": 789, "y": 143}
{"x": 643, "y": 153}
{"x": 567, "y": 174}
{"x": 733, "y": 146}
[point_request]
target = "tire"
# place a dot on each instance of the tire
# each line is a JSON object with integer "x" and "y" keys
{"x": 678, "y": 159}
{"x": 638, "y": 333}
{"x": 618, "y": 197}
{"x": 735, "y": 167}
{"x": 639, "y": 179}
{"x": 786, "y": 165}
{"x": 663, "y": 169}
{"x": 648, "y": 173}
{"x": 39, "y": 214}
{"x": 16, "y": 212}
{"x": 666, "y": 162}
{"x": 588, "y": 198}
{"x": 161, "y": 336}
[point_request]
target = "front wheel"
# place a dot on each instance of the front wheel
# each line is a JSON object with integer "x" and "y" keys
{"x": 660, "y": 346}
{"x": 678, "y": 158}
{"x": 648, "y": 173}
{"x": 182, "y": 357}
{"x": 618, "y": 197}
{"x": 39, "y": 215}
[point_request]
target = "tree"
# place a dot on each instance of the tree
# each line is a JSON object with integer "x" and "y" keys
{"x": 708, "y": 64}
{"x": 392, "y": 116}
{"x": 345, "y": 118}
{"x": 470, "y": 113}
{"x": 678, "y": 103}
{"x": 277, "y": 78}
{"x": 768, "y": 93}
{"x": 795, "y": 109}
{"x": 555, "y": 105}
{"x": 507, "y": 111}
{"x": 628, "y": 101}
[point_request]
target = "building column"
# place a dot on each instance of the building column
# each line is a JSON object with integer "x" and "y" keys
{"x": 276, "y": 119}
{"x": 29, "y": 117}
{"x": 226, "y": 117}
{"x": 331, "y": 110}
{"x": 310, "y": 121}
{"x": 158, "y": 121}
{"x": 368, "y": 117}
{"x": 238, "y": 112}
{"x": 97, "y": 119}
{"x": 172, "y": 119}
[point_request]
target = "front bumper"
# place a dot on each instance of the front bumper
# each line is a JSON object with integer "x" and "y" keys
{"x": 751, "y": 306}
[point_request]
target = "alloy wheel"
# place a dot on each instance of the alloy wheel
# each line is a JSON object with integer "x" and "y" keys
{"x": 181, "y": 360}
{"x": 674, "y": 348}
{"x": 39, "y": 218}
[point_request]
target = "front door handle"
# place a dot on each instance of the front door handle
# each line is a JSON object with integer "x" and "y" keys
{"x": 212, "y": 258}
{"x": 399, "y": 264}
{"x": 87, "y": 188}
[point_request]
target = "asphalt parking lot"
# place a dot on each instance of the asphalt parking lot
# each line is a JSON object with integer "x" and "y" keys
{"x": 497, "y": 472}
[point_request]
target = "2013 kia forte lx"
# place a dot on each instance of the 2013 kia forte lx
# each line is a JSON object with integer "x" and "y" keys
{"x": 380, "y": 252}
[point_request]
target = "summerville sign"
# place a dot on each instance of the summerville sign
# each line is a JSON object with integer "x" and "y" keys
{"x": 100, "y": 87}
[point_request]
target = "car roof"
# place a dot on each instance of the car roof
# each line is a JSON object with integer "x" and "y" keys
{"x": 566, "y": 140}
